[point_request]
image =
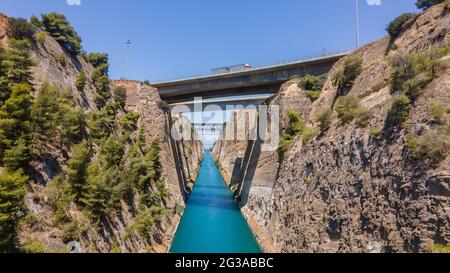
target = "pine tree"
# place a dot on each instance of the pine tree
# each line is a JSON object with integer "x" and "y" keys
{"x": 45, "y": 114}
{"x": 81, "y": 81}
{"x": 12, "y": 192}
{"x": 60, "y": 29}
{"x": 77, "y": 168}
{"x": 15, "y": 128}
{"x": 18, "y": 62}
{"x": 5, "y": 90}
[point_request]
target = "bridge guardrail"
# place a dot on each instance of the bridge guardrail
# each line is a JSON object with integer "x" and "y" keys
{"x": 287, "y": 62}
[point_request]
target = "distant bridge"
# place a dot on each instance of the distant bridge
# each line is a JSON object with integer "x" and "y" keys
{"x": 265, "y": 80}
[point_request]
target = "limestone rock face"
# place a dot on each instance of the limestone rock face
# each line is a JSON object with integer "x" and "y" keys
{"x": 55, "y": 65}
{"x": 348, "y": 190}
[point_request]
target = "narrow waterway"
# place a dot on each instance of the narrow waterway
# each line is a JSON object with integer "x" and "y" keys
{"x": 212, "y": 221}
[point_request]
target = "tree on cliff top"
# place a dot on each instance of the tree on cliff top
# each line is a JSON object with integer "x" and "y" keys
{"x": 425, "y": 4}
{"x": 59, "y": 28}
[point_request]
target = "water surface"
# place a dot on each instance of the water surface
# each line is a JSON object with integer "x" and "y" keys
{"x": 212, "y": 221}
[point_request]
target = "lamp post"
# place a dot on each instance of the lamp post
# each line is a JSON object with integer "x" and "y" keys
{"x": 357, "y": 23}
{"x": 128, "y": 58}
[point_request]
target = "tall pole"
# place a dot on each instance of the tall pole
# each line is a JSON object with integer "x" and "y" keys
{"x": 128, "y": 58}
{"x": 357, "y": 23}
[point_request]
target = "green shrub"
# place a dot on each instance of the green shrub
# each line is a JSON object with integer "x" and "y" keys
{"x": 313, "y": 83}
{"x": 348, "y": 108}
{"x": 12, "y": 192}
{"x": 98, "y": 59}
{"x": 309, "y": 134}
{"x": 395, "y": 27}
{"x": 425, "y": 4}
{"x": 313, "y": 95}
{"x": 439, "y": 114}
{"x": 41, "y": 37}
{"x": 59, "y": 28}
{"x": 432, "y": 146}
{"x": 312, "y": 86}
{"x": 374, "y": 132}
{"x": 70, "y": 232}
{"x": 120, "y": 95}
{"x": 345, "y": 77}
{"x": 324, "y": 118}
{"x": 285, "y": 143}
{"x": 399, "y": 111}
{"x": 410, "y": 73}
{"x": 33, "y": 247}
{"x": 295, "y": 123}
{"x": 19, "y": 28}
{"x": 81, "y": 81}
{"x": 438, "y": 248}
{"x": 363, "y": 116}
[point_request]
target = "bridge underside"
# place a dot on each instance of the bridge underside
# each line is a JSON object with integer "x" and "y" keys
{"x": 252, "y": 82}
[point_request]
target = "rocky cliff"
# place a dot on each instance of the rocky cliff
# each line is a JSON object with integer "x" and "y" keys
{"x": 40, "y": 231}
{"x": 356, "y": 186}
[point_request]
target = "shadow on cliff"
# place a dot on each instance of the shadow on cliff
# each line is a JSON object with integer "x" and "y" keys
{"x": 247, "y": 169}
{"x": 175, "y": 149}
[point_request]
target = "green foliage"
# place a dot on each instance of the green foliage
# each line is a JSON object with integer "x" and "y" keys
{"x": 18, "y": 62}
{"x": 313, "y": 95}
{"x": 101, "y": 125}
{"x": 146, "y": 82}
{"x": 425, "y": 4}
{"x": 99, "y": 60}
{"x": 312, "y": 86}
{"x": 70, "y": 232}
{"x": 439, "y": 114}
{"x": 45, "y": 112}
{"x": 129, "y": 121}
{"x": 324, "y": 118}
{"x": 81, "y": 81}
{"x": 374, "y": 132}
{"x": 101, "y": 83}
{"x": 60, "y": 197}
{"x": 15, "y": 127}
{"x": 41, "y": 37}
{"x": 395, "y": 27}
{"x": 56, "y": 118}
{"x": 5, "y": 88}
{"x": 438, "y": 248}
{"x": 145, "y": 220}
{"x": 59, "y": 28}
{"x": 77, "y": 168}
{"x": 345, "y": 77}
{"x": 61, "y": 59}
{"x": 12, "y": 192}
{"x": 295, "y": 123}
{"x": 411, "y": 72}
{"x": 19, "y": 28}
{"x": 309, "y": 133}
{"x": 431, "y": 146}
{"x": 112, "y": 152}
{"x": 400, "y": 110}
{"x": 120, "y": 96}
{"x": 18, "y": 155}
{"x": 348, "y": 108}
{"x": 33, "y": 247}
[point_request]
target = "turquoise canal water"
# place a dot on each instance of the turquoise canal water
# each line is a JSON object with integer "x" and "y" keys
{"x": 212, "y": 221}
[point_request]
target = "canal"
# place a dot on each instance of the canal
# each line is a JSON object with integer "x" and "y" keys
{"x": 212, "y": 221}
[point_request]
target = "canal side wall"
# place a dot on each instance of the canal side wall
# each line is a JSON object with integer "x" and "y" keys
{"x": 180, "y": 158}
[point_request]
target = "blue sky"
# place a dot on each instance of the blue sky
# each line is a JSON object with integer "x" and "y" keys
{"x": 179, "y": 38}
